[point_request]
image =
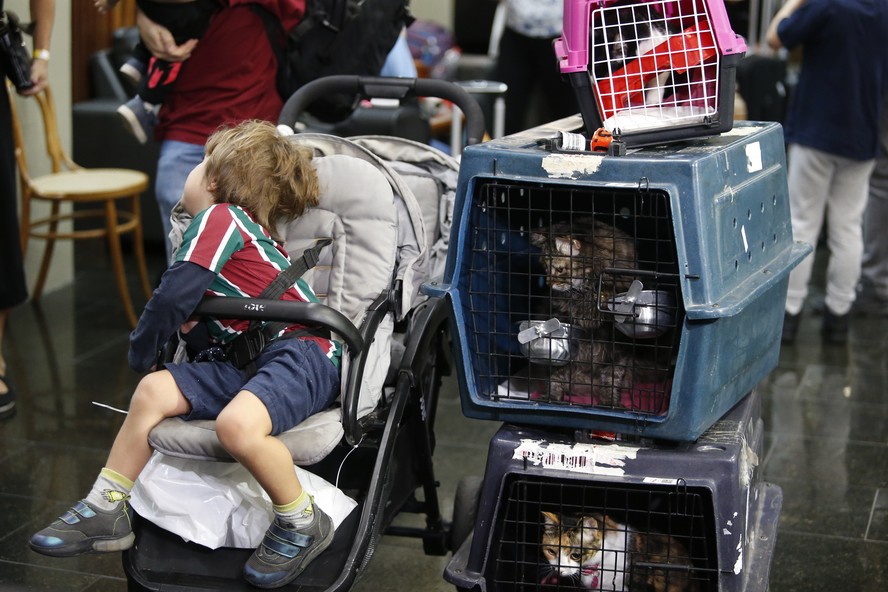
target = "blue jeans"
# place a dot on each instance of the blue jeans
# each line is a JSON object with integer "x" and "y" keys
{"x": 176, "y": 161}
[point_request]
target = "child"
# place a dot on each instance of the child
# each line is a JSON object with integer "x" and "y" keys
{"x": 185, "y": 19}
{"x": 250, "y": 178}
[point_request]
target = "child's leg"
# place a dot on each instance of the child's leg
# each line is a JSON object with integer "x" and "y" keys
{"x": 102, "y": 521}
{"x": 300, "y": 530}
{"x": 244, "y": 429}
{"x": 156, "y": 398}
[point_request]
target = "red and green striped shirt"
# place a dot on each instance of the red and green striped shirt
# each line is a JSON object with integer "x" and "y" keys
{"x": 227, "y": 241}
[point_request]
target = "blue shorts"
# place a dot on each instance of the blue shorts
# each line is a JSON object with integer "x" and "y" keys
{"x": 293, "y": 379}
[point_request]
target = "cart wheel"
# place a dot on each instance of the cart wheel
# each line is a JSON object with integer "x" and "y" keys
{"x": 465, "y": 509}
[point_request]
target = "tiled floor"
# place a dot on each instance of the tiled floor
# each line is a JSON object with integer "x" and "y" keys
{"x": 826, "y": 418}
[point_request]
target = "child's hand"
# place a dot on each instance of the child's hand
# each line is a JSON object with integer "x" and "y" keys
{"x": 188, "y": 326}
{"x": 104, "y": 6}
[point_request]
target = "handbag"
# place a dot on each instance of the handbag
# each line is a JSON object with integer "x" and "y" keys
{"x": 13, "y": 52}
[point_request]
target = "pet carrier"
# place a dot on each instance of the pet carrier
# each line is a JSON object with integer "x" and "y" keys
{"x": 640, "y": 294}
{"x": 651, "y": 71}
{"x": 561, "y": 514}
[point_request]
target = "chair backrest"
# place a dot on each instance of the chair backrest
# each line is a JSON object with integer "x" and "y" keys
{"x": 53, "y": 143}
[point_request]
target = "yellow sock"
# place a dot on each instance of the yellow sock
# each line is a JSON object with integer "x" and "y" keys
{"x": 297, "y": 513}
{"x": 110, "y": 489}
{"x": 297, "y": 505}
{"x": 117, "y": 478}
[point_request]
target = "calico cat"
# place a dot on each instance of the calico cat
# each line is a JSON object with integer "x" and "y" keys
{"x": 574, "y": 255}
{"x": 598, "y": 553}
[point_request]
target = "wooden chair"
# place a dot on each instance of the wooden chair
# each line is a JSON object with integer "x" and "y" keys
{"x": 70, "y": 183}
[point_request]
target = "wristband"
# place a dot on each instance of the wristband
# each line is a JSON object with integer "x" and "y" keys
{"x": 41, "y": 54}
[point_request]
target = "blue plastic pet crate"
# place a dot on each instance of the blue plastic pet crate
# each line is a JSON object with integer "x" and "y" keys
{"x": 709, "y": 221}
{"x": 707, "y": 496}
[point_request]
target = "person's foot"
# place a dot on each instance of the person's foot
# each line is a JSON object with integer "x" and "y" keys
{"x": 790, "y": 328}
{"x": 835, "y": 327}
{"x": 86, "y": 529}
{"x": 7, "y": 397}
{"x": 285, "y": 552}
{"x": 868, "y": 301}
{"x": 134, "y": 70}
{"x": 139, "y": 118}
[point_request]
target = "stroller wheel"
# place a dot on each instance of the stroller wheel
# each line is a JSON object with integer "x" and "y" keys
{"x": 465, "y": 509}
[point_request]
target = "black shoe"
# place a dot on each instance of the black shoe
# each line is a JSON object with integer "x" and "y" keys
{"x": 7, "y": 399}
{"x": 868, "y": 301}
{"x": 790, "y": 328}
{"x": 835, "y": 327}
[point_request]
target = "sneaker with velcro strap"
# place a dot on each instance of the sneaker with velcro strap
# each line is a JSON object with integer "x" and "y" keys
{"x": 285, "y": 552}
{"x": 86, "y": 529}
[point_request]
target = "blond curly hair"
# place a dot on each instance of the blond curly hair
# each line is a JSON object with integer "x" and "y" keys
{"x": 251, "y": 165}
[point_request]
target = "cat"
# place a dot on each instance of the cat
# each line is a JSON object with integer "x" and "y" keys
{"x": 574, "y": 255}
{"x": 598, "y": 553}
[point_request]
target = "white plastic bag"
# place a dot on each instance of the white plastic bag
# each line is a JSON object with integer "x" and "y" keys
{"x": 218, "y": 504}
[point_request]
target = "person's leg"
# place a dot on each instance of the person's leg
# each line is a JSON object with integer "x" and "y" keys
{"x": 102, "y": 522}
{"x": 300, "y": 530}
{"x": 847, "y": 201}
{"x": 244, "y": 429}
{"x": 511, "y": 68}
{"x": 875, "y": 239}
{"x": 809, "y": 179}
{"x": 176, "y": 161}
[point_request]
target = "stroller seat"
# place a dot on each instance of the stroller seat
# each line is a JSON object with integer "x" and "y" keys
{"x": 358, "y": 212}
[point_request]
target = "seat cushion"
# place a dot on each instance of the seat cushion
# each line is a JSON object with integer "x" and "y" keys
{"x": 308, "y": 443}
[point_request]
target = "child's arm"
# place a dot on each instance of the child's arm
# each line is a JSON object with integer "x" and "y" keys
{"x": 181, "y": 288}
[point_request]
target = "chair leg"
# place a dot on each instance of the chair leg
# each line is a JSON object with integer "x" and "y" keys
{"x": 25, "y": 220}
{"x": 111, "y": 223}
{"x": 47, "y": 253}
{"x": 139, "y": 247}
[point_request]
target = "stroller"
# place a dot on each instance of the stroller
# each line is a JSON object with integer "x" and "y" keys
{"x": 371, "y": 452}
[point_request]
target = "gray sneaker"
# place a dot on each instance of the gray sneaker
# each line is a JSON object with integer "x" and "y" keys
{"x": 285, "y": 552}
{"x": 85, "y": 529}
{"x": 138, "y": 118}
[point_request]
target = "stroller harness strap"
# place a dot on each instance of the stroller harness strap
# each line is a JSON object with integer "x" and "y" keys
{"x": 247, "y": 346}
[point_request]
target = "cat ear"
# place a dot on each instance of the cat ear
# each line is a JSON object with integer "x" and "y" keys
{"x": 567, "y": 246}
{"x": 550, "y": 520}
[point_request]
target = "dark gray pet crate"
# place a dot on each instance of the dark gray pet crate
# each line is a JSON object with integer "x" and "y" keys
{"x": 707, "y": 495}
{"x": 709, "y": 220}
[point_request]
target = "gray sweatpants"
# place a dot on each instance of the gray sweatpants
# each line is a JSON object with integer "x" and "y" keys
{"x": 824, "y": 186}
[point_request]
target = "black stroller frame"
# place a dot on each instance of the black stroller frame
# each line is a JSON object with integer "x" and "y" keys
{"x": 384, "y": 457}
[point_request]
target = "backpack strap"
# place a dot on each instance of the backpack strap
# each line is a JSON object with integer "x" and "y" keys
{"x": 244, "y": 348}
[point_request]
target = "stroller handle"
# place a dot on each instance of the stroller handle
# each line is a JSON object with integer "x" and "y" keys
{"x": 367, "y": 87}
{"x": 262, "y": 309}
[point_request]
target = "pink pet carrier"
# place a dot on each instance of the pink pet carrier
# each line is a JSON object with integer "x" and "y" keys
{"x": 651, "y": 71}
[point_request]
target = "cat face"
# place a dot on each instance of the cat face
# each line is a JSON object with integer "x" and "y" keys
{"x": 561, "y": 257}
{"x": 573, "y": 548}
